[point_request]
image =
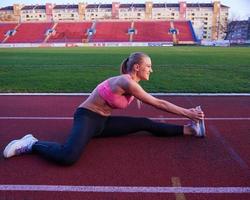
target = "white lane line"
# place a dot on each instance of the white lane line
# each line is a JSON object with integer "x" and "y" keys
{"x": 121, "y": 189}
{"x": 36, "y": 118}
{"x": 207, "y": 118}
{"x": 153, "y": 118}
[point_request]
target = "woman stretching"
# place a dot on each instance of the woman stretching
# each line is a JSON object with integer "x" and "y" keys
{"x": 93, "y": 117}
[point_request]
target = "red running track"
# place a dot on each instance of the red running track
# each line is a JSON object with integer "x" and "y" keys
{"x": 217, "y": 167}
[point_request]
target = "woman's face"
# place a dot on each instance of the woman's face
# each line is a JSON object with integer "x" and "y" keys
{"x": 145, "y": 68}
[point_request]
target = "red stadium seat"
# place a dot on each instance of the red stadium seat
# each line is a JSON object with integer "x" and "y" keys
{"x": 184, "y": 31}
{"x": 111, "y": 32}
{"x": 70, "y": 32}
{"x": 4, "y": 28}
{"x": 30, "y": 33}
{"x": 153, "y": 31}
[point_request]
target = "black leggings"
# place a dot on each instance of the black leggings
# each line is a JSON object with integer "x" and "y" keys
{"x": 88, "y": 124}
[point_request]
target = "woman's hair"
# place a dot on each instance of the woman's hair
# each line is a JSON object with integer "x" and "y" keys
{"x": 128, "y": 63}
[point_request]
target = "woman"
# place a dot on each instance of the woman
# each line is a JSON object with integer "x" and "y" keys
{"x": 93, "y": 117}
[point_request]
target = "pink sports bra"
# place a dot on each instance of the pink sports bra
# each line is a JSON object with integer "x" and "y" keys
{"x": 113, "y": 100}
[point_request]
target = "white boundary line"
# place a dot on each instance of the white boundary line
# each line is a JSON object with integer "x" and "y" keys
{"x": 155, "y": 94}
{"x": 153, "y": 118}
{"x": 125, "y": 189}
{"x": 207, "y": 118}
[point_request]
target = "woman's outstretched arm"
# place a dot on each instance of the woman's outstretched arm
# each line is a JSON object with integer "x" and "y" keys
{"x": 136, "y": 90}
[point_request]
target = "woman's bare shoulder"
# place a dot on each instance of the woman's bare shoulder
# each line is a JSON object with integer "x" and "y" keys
{"x": 122, "y": 81}
{"x": 125, "y": 80}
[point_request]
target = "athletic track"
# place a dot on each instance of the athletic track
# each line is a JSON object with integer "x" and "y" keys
{"x": 133, "y": 167}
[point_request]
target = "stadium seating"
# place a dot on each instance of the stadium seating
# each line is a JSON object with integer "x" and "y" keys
{"x": 184, "y": 31}
{"x": 99, "y": 31}
{"x": 111, "y": 32}
{"x": 30, "y": 33}
{"x": 70, "y": 32}
{"x": 153, "y": 31}
{"x": 4, "y": 28}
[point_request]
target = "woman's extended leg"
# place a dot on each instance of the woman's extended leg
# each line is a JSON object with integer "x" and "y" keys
{"x": 122, "y": 125}
{"x": 86, "y": 125}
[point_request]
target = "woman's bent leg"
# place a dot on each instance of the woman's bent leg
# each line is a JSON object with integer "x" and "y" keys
{"x": 122, "y": 125}
{"x": 87, "y": 124}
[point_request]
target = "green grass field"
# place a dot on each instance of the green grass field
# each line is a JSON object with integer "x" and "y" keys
{"x": 176, "y": 69}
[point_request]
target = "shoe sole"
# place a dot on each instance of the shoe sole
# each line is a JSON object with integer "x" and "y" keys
{"x": 6, "y": 150}
{"x": 202, "y": 128}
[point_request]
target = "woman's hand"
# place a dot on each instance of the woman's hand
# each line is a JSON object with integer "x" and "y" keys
{"x": 195, "y": 114}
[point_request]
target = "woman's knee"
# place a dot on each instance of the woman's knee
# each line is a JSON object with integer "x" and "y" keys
{"x": 69, "y": 158}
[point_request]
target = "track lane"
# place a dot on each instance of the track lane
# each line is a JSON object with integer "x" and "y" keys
{"x": 135, "y": 160}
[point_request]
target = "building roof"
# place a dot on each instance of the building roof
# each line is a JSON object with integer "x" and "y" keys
{"x": 6, "y": 8}
{"x": 95, "y": 6}
{"x": 28, "y": 7}
{"x": 195, "y": 5}
{"x": 106, "y": 6}
{"x": 40, "y": 7}
{"x": 68, "y": 6}
{"x": 35, "y": 7}
{"x": 223, "y": 6}
{"x": 139, "y": 5}
{"x": 165, "y": 5}
{"x": 126, "y": 5}
{"x": 129, "y": 5}
{"x": 92, "y": 6}
{"x": 72, "y": 6}
{"x": 204, "y": 5}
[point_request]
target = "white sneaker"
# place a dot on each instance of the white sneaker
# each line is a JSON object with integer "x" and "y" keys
{"x": 201, "y": 124}
{"x": 198, "y": 129}
{"x": 17, "y": 147}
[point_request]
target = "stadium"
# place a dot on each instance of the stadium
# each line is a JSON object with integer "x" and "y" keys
{"x": 114, "y": 24}
{"x": 53, "y": 56}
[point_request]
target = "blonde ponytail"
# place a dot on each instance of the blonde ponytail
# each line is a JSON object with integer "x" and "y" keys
{"x": 124, "y": 66}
